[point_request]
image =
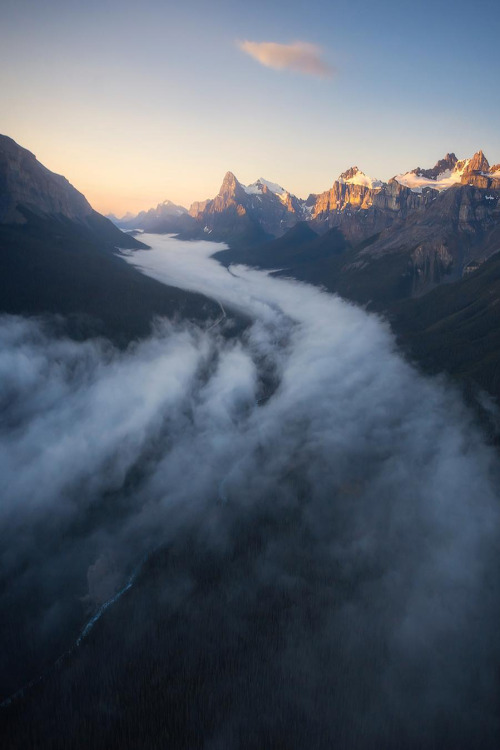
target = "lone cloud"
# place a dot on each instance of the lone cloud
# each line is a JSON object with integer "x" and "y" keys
{"x": 299, "y": 56}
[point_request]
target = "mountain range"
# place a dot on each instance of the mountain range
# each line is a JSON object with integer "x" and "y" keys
{"x": 433, "y": 270}
{"x": 384, "y": 245}
{"x": 422, "y": 249}
{"x": 359, "y": 205}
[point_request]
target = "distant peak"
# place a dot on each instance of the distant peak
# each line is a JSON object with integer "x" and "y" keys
{"x": 349, "y": 173}
{"x": 478, "y": 163}
{"x": 272, "y": 186}
{"x": 354, "y": 176}
{"x": 230, "y": 179}
{"x": 169, "y": 208}
{"x": 449, "y": 163}
{"x": 230, "y": 184}
{"x": 262, "y": 186}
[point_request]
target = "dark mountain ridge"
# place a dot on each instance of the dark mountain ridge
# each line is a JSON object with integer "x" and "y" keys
{"x": 24, "y": 182}
{"x": 58, "y": 256}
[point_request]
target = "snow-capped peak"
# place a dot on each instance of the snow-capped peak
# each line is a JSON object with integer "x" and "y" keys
{"x": 355, "y": 176}
{"x": 257, "y": 187}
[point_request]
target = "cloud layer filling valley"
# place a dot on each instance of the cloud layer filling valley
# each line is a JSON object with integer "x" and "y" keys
{"x": 374, "y": 494}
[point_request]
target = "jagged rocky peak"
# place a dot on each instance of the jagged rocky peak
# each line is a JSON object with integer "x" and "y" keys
{"x": 449, "y": 163}
{"x": 478, "y": 164}
{"x": 449, "y": 160}
{"x": 230, "y": 184}
{"x": 479, "y": 173}
{"x": 349, "y": 173}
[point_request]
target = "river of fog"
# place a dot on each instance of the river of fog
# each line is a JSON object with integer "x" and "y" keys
{"x": 374, "y": 493}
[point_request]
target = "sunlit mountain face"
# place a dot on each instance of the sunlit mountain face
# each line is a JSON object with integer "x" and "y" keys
{"x": 232, "y": 534}
{"x": 357, "y": 205}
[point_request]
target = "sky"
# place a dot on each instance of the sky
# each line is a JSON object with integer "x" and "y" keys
{"x": 139, "y": 103}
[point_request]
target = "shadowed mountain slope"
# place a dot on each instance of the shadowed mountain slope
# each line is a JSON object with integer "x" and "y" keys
{"x": 58, "y": 256}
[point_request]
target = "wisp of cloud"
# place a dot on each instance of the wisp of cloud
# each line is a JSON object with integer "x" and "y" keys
{"x": 301, "y": 57}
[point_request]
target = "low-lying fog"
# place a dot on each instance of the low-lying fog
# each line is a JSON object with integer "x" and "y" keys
{"x": 377, "y": 492}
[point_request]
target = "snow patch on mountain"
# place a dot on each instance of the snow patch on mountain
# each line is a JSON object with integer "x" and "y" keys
{"x": 448, "y": 178}
{"x": 355, "y": 176}
{"x": 360, "y": 178}
{"x": 257, "y": 187}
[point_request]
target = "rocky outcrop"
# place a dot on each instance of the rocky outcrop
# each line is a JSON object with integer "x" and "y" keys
{"x": 479, "y": 173}
{"x": 478, "y": 164}
{"x": 349, "y": 174}
{"x": 25, "y": 183}
{"x": 347, "y": 205}
{"x": 342, "y": 196}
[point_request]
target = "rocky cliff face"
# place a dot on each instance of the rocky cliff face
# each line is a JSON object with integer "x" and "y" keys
{"x": 478, "y": 163}
{"x": 361, "y": 208}
{"x": 434, "y": 237}
{"x": 342, "y": 197}
{"x": 479, "y": 173}
{"x": 24, "y": 182}
{"x": 360, "y": 211}
{"x": 258, "y": 208}
{"x": 356, "y": 204}
{"x": 459, "y": 226}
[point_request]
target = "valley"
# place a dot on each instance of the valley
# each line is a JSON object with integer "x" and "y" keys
{"x": 240, "y": 478}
